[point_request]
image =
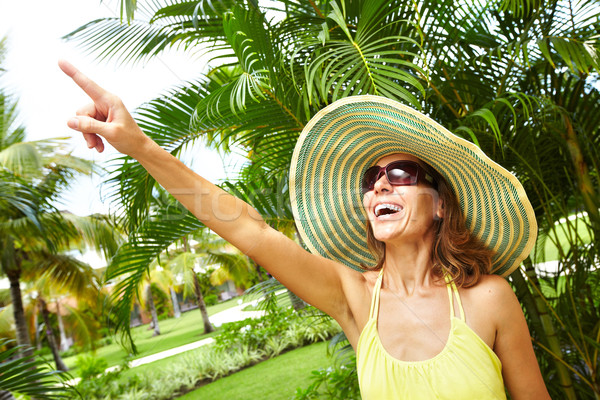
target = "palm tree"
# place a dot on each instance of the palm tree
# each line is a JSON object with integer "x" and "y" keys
{"x": 34, "y": 174}
{"x": 184, "y": 265}
{"x": 210, "y": 250}
{"x": 62, "y": 275}
{"x": 166, "y": 281}
{"x": 516, "y": 77}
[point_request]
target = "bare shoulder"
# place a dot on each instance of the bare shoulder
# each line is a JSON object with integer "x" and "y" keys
{"x": 492, "y": 288}
{"x": 490, "y": 305}
{"x": 491, "y": 293}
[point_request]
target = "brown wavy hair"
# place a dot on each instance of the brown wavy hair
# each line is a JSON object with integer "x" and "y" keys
{"x": 456, "y": 252}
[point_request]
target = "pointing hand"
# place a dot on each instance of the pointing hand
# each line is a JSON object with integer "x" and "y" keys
{"x": 105, "y": 118}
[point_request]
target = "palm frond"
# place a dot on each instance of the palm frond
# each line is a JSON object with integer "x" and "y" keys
{"x": 29, "y": 377}
{"x": 98, "y": 232}
{"x": 161, "y": 26}
{"x": 269, "y": 196}
{"x": 17, "y": 199}
{"x": 64, "y": 273}
{"x": 363, "y": 59}
{"x": 129, "y": 266}
{"x": 10, "y": 130}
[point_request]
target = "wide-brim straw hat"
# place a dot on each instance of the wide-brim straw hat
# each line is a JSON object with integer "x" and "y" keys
{"x": 344, "y": 139}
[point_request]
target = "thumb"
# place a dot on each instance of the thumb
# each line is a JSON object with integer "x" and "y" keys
{"x": 86, "y": 124}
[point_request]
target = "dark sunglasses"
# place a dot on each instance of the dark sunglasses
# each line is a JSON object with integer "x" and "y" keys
{"x": 398, "y": 173}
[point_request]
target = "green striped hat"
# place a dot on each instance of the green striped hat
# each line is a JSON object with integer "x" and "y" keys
{"x": 344, "y": 139}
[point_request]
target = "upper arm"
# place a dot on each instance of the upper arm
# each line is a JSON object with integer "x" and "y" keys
{"x": 513, "y": 346}
{"x": 315, "y": 279}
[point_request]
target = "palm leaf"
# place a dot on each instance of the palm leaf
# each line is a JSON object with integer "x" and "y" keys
{"x": 161, "y": 26}
{"x": 66, "y": 273}
{"x": 97, "y": 232}
{"x": 130, "y": 265}
{"x": 269, "y": 196}
{"x": 10, "y": 131}
{"x": 364, "y": 59}
{"x": 29, "y": 377}
{"x": 17, "y": 199}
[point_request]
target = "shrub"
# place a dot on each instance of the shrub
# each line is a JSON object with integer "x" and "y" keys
{"x": 337, "y": 382}
{"x": 211, "y": 299}
{"x": 238, "y": 345}
{"x": 332, "y": 384}
{"x": 90, "y": 366}
{"x": 105, "y": 386}
{"x": 277, "y": 331}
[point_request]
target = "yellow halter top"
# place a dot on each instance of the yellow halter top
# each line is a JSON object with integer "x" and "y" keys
{"x": 465, "y": 369}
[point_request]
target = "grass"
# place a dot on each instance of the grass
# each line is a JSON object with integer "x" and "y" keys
{"x": 175, "y": 332}
{"x": 274, "y": 379}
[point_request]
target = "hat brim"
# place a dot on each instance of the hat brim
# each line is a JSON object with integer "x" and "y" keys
{"x": 341, "y": 141}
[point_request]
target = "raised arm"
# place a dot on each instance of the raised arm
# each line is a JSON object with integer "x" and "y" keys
{"x": 317, "y": 280}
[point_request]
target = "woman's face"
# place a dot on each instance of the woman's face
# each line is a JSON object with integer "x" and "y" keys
{"x": 401, "y": 212}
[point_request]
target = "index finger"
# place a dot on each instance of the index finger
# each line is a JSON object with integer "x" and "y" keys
{"x": 86, "y": 84}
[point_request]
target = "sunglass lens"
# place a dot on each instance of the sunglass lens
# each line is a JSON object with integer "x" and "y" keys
{"x": 402, "y": 174}
{"x": 369, "y": 179}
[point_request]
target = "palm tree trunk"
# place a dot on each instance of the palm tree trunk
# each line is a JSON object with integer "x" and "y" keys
{"x": 202, "y": 306}
{"x": 64, "y": 341}
{"x": 152, "y": 308}
{"x": 38, "y": 342}
{"x": 60, "y": 365}
{"x": 590, "y": 199}
{"x": 19, "y": 313}
{"x": 176, "y": 308}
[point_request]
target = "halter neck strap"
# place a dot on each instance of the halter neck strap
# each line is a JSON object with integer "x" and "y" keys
{"x": 453, "y": 290}
{"x": 375, "y": 300}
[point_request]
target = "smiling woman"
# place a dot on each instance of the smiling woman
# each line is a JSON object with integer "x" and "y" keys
{"x": 456, "y": 252}
{"x": 394, "y": 315}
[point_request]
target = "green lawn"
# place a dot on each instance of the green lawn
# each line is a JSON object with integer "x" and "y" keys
{"x": 174, "y": 332}
{"x": 274, "y": 379}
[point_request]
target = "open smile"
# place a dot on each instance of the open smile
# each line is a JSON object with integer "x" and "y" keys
{"x": 385, "y": 209}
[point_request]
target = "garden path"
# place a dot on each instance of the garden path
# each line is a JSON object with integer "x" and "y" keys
{"x": 232, "y": 314}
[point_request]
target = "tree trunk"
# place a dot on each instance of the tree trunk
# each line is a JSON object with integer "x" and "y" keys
{"x": 152, "y": 309}
{"x": 176, "y": 308}
{"x": 38, "y": 342}
{"x": 585, "y": 185}
{"x": 19, "y": 313}
{"x": 202, "y": 306}
{"x": 60, "y": 365}
{"x": 64, "y": 341}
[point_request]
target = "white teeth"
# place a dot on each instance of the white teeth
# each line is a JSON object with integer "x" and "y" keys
{"x": 386, "y": 208}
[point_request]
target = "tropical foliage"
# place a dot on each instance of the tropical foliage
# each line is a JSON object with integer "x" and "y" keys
{"x": 237, "y": 345}
{"x": 517, "y": 77}
{"x": 28, "y": 377}
{"x": 36, "y": 245}
{"x": 35, "y": 237}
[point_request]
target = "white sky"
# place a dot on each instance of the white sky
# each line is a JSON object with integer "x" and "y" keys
{"x": 47, "y": 98}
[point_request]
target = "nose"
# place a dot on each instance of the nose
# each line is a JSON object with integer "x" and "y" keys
{"x": 382, "y": 183}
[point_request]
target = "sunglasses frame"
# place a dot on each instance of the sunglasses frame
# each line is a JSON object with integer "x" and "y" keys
{"x": 420, "y": 172}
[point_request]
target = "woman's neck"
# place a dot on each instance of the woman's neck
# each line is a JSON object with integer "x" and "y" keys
{"x": 407, "y": 267}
